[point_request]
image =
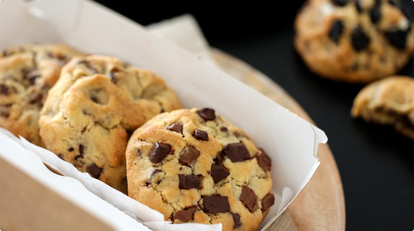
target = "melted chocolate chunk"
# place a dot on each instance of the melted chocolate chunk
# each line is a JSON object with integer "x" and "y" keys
{"x": 186, "y": 214}
{"x": 200, "y": 135}
{"x": 112, "y": 74}
{"x": 158, "y": 152}
{"x": 60, "y": 155}
{"x": 375, "y": 14}
{"x": 218, "y": 171}
{"x": 35, "y": 98}
{"x": 207, "y": 114}
{"x": 249, "y": 199}
{"x": 340, "y": 2}
{"x": 236, "y": 152}
{"x": 336, "y": 30}
{"x": 154, "y": 172}
{"x": 359, "y": 39}
{"x": 4, "y": 90}
{"x": 80, "y": 152}
{"x": 176, "y": 127}
{"x": 94, "y": 170}
{"x": 223, "y": 129}
{"x": 264, "y": 161}
{"x": 236, "y": 219}
{"x": 267, "y": 201}
{"x": 190, "y": 156}
{"x": 216, "y": 204}
{"x": 397, "y": 38}
{"x": 189, "y": 181}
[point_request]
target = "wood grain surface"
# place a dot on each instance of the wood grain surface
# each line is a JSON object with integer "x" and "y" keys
{"x": 321, "y": 204}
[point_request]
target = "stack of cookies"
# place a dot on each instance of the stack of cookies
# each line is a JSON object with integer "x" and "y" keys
{"x": 124, "y": 126}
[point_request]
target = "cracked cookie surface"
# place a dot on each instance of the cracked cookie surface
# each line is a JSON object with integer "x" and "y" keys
{"x": 389, "y": 101}
{"x": 27, "y": 72}
{"x": 355, "y": 41}
{"x": 195, "y": 166}
{"x": 93, "y": 107}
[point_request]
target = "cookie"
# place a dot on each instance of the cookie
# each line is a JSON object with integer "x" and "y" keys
{"x": 355, "y": 41}
{"x": 27, "y": 73}
{"x": 389, "y": 101}
{"x": 195, "y": 166}
{"x": 90, "y": 111}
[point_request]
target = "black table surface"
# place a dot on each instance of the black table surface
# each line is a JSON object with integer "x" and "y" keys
{"x": 375, "y": 163}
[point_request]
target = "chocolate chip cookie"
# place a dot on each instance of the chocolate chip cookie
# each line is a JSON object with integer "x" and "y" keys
{"x": 355, "y": 41}
{"x": 93, "y": 107}
{"x": 389, "y": 101}
{"x": 27, "y": 73}
{"x": 195, "y": 166}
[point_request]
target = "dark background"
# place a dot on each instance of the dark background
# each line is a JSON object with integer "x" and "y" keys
{"x": 375, "y": 163}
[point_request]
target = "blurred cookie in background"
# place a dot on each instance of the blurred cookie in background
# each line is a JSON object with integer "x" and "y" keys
{"x": 356, "y": 41}
{"x": 27, "y": 72}
{"x": 389, "y": 101}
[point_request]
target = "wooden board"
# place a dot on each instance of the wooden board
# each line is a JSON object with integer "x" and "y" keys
{"x": 321, "y": 205}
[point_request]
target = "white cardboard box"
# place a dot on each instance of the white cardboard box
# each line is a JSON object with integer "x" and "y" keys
{"x": 290, "y": 141}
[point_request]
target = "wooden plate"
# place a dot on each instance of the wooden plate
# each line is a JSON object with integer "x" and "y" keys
{"x": 321, "y": 204}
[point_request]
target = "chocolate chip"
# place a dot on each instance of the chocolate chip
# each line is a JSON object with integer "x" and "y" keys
{"x": 359, "y": 39}
{"x": 188, "y": 157}
{"x": 176, "y": 127}
{"x": 112, "y": 74}
{"x": 207, "y": 113}
{"x": 200, "y": 135}
{"x": 264, "y": 161}
{"x": 4, "y": 90}
{"x": 154, "y": 172}
{"x": 4, "y": 110}
{"x": 336, "y": 30}
{"x": 340, "y": 2}
{"x": 267, "y": 201}
{"x": 216, "y": 204}
{"x": 218, "y": 171}
{"x": 358, "y": 6}
{"x": 158, "y": 152}
{"x": 5, "y": 53}
{"x": 71, "y": 150}
{"x": 60, "y": 155}
{"x": 62, "y": 58}
{"x": 236, "y": 220}
{"x": 375, "y": 14}
{"x": 35, "y": 98}
{"x": 88, "y": 65}
{"x": 236, "y": 134}
{"x": 236, "y": 152}
{"x": 30, "y": 74}
{"x": 223, "y": 129}
{"x": 94, "y": 170}
{"x": 397, "y": 38}
{"x": 186, "y": 214}
{"x": 80, "y": 152}
{"x": 189, "y": 181}
{"x": 249, "y": 198}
